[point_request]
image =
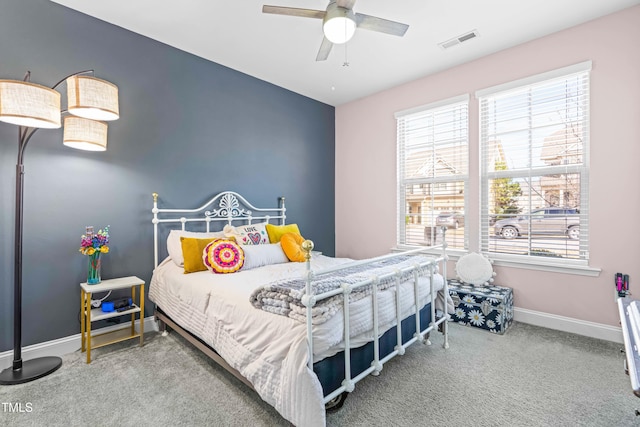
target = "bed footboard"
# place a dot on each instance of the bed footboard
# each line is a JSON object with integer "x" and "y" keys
{"x": 416, "y": 323}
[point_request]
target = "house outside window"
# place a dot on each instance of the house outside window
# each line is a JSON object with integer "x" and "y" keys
{"x": 433, "y": 157}
{"x": 534, "y": 142}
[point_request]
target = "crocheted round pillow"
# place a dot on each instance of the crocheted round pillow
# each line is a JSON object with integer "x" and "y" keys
{"x": 475, "y": 269}
{"x": 223, "y": 256}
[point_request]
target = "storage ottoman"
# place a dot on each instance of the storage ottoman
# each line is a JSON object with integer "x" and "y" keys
{"x": 484, "y": 307}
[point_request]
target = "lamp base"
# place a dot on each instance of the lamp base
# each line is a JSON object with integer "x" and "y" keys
{"x": 31, "y": 370}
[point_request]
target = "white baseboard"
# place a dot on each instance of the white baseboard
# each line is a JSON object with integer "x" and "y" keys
{"x": 66, "y": 345}
{"x": 568, "y": 324}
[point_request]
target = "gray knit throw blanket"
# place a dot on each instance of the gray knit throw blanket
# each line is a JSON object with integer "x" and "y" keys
{"x": 284, "y": 297}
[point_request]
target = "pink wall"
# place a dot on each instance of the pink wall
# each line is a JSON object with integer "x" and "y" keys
{"x": 366, "y": 161}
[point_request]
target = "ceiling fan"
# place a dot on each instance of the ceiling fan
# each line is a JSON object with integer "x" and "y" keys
{"x": 339, "y": 23}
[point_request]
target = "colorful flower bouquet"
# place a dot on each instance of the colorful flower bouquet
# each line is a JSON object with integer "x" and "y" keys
{"x": 93, "y": 245}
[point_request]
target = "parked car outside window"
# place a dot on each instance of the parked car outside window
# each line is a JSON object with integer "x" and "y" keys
{"x": 550, "y": 220}
{"x": 450, "y": 219}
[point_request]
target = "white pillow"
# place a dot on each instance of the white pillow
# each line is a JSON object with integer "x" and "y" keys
{"x": 475, "y": 269}
{"x": 251, "y": 234}
{"x": 174, "y": 247}
{"x": 259, "y": 255}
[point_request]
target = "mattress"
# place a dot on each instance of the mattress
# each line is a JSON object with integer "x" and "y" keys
{"x": 267, "y": 349}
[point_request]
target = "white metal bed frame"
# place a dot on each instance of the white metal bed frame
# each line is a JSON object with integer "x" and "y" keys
{"x": 230, "y": 208}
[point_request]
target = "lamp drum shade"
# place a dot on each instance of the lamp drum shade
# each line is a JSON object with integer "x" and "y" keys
{"x": 92, "y": 98}
{"x": 85, "y": 134}
{"x": 29, "y": 104}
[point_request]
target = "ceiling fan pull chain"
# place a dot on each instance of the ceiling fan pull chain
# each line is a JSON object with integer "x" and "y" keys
{"x": 346, "y": 60}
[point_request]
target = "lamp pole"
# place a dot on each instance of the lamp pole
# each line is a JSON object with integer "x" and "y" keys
{"x": 23, "y": 371}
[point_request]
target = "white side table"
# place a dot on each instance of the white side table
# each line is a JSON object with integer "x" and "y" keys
{"x": 89, "y": 314}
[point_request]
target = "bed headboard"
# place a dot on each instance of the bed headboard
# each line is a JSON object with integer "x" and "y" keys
{"x": 224, "y": 208}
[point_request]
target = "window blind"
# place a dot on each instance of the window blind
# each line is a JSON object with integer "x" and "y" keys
{"x": 433, "y": 153}
{"x": 535, "y": 169}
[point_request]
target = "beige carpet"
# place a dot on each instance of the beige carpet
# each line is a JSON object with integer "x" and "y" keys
{"x": 528, "y": 377}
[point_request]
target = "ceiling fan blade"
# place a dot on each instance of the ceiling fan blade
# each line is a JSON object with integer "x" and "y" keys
{"x": 325, "y": 49}
{"x": 347, "y": 4}
{"x": 294, "y": 11}
{"x": 380, "y": 25}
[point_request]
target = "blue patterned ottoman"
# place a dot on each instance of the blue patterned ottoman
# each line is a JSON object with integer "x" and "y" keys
{"x": 484, "y": 307}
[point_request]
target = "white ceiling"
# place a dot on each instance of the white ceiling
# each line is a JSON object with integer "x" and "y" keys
{"x": 282, "y": 49}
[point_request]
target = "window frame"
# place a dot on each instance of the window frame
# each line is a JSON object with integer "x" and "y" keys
{"x": 565, "y": 265}
{"x": 432, "y": 182}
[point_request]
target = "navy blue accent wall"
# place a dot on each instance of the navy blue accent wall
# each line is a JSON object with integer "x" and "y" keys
{"x": 189, "y": 128}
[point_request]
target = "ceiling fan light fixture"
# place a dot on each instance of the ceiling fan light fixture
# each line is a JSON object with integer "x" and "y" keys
{"x": 339, "y": 24}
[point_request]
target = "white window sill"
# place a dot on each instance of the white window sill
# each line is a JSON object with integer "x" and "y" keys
{"x": 453, "y": 254}
{"x": 539, "y": 265}
{"x": 502, "y": 261}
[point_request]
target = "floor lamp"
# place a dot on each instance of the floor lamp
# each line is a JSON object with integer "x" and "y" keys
{"x": 90, "y": 102}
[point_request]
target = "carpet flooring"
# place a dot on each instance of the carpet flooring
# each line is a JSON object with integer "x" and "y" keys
{"x": 530, "y": 376}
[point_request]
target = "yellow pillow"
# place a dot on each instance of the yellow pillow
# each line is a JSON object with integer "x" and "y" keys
{"x": 291, "y": 245}
{"x": 192, "y": 249}
{"x": 275, "y": 232}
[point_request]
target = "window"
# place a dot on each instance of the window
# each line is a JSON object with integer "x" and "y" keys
{"x": 534, "y": 167}
{"x": 433, "y": 157}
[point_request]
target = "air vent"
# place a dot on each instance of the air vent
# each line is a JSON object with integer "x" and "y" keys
{"x": 457, "y": 40}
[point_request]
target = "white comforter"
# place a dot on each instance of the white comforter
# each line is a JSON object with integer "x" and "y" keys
{"x": 267, "y": 349}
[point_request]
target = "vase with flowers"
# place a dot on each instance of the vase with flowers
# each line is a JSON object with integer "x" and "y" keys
{"x": 94, "y": 245}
